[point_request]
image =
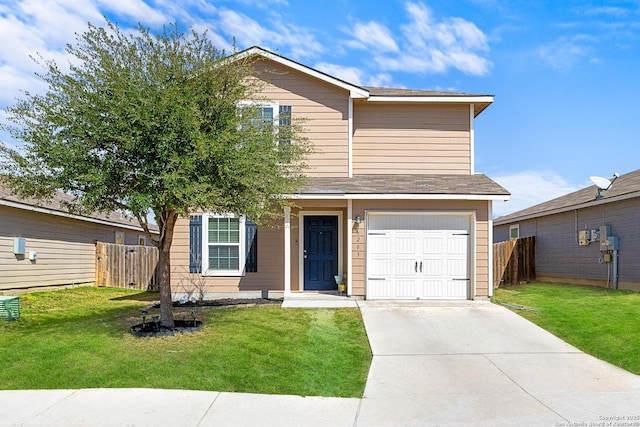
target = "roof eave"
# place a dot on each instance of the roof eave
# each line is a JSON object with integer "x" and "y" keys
{"x": 396, "y": 196}
{"x": 583, "y": 205}
{"x": 48, "y": 211}
{"x": 355, "y": 92}
{"x": 481, "y": 102}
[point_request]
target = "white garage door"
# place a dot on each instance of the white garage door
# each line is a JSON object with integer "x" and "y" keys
{"x": 417, "y": 256}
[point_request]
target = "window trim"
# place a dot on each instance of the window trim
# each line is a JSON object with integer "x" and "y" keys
{"x": 206, "y": 271}
{"x": 265, "y": 104}
{"x": 276, "y": 114}
{"x": 514, "y": 227}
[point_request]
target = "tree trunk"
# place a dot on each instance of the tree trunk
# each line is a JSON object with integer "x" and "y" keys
{"x": 163, "y": 272}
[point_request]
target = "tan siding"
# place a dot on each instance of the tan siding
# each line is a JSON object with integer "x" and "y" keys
{"x": 270, "y": 275}
{"x": 396, "y": 138}
{"x": 325, "y": 109}
{"x": 65, "y": 248}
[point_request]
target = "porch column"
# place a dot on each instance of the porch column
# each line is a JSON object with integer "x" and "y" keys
{"x": 287, "y": 251}
{"x": 349, "y": 246}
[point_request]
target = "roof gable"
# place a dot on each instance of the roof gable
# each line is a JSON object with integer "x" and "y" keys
{"x": 354, "y": 91}
{"x": 376, "y": 94}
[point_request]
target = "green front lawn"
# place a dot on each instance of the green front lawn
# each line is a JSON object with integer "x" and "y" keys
{"x": 602, "y": 322}
{"x": 80, "y": 338}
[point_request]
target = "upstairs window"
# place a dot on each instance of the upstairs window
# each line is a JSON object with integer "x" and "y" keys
{"x": 271, "y": 114}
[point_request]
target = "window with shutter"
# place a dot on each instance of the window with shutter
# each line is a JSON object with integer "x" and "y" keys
{"x": 228, "y": 245}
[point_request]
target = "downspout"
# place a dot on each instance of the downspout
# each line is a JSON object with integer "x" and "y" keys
{"x": 350, "y": 139}
{"x": 490, "y": 257}
{"x": 287, "y": 251}
{"x": 615, "y": 268}
{"x": 349, "y": 247}
{"x": 472, "y": 137}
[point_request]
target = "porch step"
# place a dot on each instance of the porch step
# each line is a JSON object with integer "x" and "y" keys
{"x": 318, "y": 300}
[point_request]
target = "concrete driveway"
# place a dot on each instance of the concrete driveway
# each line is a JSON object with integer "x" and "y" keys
{"x": 475, "y": 363}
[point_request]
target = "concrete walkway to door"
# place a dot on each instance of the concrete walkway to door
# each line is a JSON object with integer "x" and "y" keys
{"x": 476, "y": 363}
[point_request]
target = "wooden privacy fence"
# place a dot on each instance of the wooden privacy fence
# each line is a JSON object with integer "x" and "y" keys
{"x": 514, "y": 261}
{"x": 126, "y": 266}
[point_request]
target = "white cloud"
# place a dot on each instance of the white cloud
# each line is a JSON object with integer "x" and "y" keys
{"x": 249, "y": 32}
{"x": 375, "y": 36}
{"x": 135, "y": 9}
{"x": 428, "y": 45}
{"x": 354, "y": 75}
{"x": 529, "y": 188}
{"x": 564, "y": 53}
{"x": 351, "y": 75}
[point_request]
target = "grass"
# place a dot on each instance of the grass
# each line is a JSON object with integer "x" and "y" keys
{"x": 602, "y": 322}
{"x": 79, "y": 338}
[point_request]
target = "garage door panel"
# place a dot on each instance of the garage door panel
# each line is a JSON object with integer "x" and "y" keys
{"x": 380, "y": 289}
{"x": 379, "y": 245}
{"x": 404, "y": 267}
{"x": 381, "y": 268}
{"x": 457, "y": 245}
{"x": 432, "y": 245}
{"x": 456, "y": 289}
{"x": 432, "y": 267}
{"x": 405, "y": 245}
{"x": 405, "y": 288}
{"x": 457, "y": 268}
{"x": 433, "y": 289}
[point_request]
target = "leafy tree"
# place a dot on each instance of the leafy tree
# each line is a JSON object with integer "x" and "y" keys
{"x": 146, "y": 122}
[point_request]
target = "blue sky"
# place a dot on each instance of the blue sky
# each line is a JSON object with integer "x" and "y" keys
{"x": 565, "y": 74}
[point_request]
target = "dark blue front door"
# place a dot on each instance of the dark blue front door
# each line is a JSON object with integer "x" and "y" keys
{"x": 320, "y": 252}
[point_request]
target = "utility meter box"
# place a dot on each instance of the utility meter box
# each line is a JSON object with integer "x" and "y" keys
{"x": 584, "y": 237}
{"x": 595, "y": 236}
{"x": 19, "y": 246}
{"x": 609, "y": 244}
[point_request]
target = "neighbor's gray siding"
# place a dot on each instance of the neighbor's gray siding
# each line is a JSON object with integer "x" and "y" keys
{"x": 559, "y": 256}
{"x": 65, "y": 248}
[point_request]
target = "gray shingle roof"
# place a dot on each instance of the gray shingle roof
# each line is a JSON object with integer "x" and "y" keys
{"x": 479, "y": 185}
{"x": 388, "y": 91}
{"x": 626, "y": 186}
{"x": 55, "y": 204}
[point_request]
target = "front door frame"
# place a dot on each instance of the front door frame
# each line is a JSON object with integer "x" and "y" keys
{"x": 301, "y": 216}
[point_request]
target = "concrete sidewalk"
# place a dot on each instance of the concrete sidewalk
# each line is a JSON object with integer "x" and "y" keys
{"x": 467, "y": 363}
{"x": 176, "y": 408}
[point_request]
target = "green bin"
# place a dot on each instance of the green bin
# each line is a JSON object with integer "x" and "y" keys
{"x": 9, "y": 307}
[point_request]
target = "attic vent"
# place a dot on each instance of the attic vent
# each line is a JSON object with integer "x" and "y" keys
{"x": 9, "y": 308}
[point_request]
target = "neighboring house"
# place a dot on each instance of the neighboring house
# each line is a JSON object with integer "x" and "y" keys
{"x": 584, "y": 239}
{"x": 41, "y": 245}
{"x": 393, "y": 202}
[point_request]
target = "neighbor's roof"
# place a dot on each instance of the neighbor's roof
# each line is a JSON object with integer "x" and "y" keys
{"x": 625, "y": 187}
{"x": 375, "y": 94}
{"x": 54, "y": 207}
{"x": 442, "y": 187}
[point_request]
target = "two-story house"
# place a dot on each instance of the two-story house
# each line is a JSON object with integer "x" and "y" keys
{"x": 393, "y": 202}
